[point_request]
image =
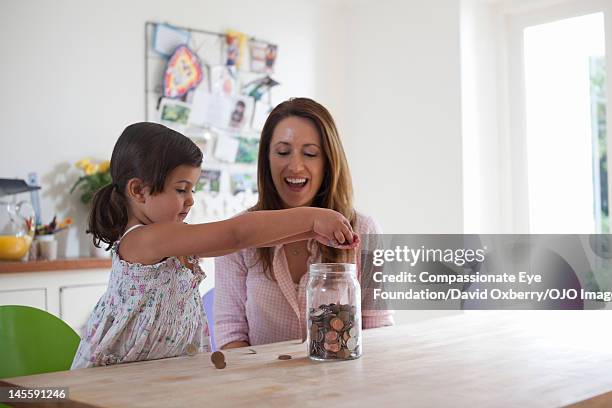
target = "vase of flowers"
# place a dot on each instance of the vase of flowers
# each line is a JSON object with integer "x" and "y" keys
{"x": 95, "y": 176}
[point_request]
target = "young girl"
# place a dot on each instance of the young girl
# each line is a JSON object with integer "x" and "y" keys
{"x": 152, "y": 307}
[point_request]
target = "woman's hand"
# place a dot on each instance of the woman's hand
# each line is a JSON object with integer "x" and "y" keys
{"x": 332, "y": 229}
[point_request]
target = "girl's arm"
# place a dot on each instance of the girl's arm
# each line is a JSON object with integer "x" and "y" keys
{"x": 153, "y": 242}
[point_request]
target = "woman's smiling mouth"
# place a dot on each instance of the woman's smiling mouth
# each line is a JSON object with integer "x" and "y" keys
{"x": 296, "y": 183}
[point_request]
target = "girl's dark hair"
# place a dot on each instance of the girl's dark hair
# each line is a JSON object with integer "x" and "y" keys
{"x": 149, "y": 152}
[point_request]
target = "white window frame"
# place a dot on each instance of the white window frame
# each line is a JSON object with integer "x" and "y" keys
{"x": 518, "y": 15}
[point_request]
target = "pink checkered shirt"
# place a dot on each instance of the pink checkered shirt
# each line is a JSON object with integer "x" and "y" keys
{"x": 253, "y": 308}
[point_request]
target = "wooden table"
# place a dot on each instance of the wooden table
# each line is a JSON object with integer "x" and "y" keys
{"x": 476, "y": 359}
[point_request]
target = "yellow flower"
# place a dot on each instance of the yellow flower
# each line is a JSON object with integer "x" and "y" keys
{"x": 91, "y": 169}
{"x": 104, "y": 166}
{"x": 82, "y": 164}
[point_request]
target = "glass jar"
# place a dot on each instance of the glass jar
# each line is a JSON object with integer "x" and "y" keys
{"x": 16, "y": 230}
{"x": 333, "y": 308}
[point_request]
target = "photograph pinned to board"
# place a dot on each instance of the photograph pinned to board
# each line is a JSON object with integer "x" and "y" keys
{"x": 167, "y": 38}
{"x": 263, "y": 56}
{"x": 248, "y": 148}
{"x": 223, "y": 80}
{"x": 258, "y": 87}
{"x": 183, "y": 73}
{"x": 242, "y": 109}
{"x": 226, "y": 148}
{"x": 174, "y": 114}
{"x": 220, "y": 111}
{"x": 243, "y": 183}
{"x": 210, "y": 179}
{"x": 235, "y": 46}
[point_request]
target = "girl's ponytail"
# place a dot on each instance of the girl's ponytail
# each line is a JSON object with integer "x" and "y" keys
{"x": 108, "y": 216}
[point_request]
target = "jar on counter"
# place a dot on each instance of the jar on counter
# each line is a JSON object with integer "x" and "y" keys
{"x": 333, "y": 308}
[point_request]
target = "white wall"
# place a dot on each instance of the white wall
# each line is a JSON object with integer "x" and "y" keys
{"x": 74, "y": 78}
{"x": 401, "y": 116}
{"x": 481, "y": 33}
{"x": 388, "y": 70}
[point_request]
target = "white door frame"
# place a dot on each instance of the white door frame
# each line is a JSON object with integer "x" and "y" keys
{"x": 517, "y": 15}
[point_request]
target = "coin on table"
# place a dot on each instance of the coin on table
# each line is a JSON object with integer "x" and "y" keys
{"x": 336, "y": 324}
{"x": 285, "y": 357}
{"x": 191, "y": 349}
{"x": 351, "y": 343}
{"x": 218, "y": 359}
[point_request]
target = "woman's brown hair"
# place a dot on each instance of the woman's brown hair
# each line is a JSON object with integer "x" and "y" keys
{"x": 149, "y": 152}
{"x": 336, "y": 191}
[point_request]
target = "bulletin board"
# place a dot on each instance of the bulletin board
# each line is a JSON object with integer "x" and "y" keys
{"x": 215, "y": 88}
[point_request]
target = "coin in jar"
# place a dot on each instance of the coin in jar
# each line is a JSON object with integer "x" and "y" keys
{"x": 331, "y": 336}
{"x": 336, "y": 324}
{"x": 343, "y": 353}
{"x": 333, "y": 347}
{"x": 351, "y": 343}
{"x": 344, "y": 316}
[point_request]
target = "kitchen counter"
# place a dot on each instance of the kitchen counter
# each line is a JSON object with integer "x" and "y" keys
{"x": 478, "y": 358}
{"x": 57, "y": 265}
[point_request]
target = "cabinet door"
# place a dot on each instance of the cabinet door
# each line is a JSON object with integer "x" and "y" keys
{"x": 77, "y": 303}
{"x": 36, "y": 297}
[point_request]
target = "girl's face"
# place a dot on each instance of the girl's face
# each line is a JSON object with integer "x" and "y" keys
{"x": 175, "y": 201}
{"x": 297, "y": 161}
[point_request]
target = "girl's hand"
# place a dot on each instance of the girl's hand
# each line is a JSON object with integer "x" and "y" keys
{"x": 332, "y": 229}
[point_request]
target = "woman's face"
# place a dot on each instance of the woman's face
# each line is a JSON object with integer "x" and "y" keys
{"x": 297, "y": 161}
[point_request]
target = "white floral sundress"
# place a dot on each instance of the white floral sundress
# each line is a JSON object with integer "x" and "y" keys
{"x": 148, "y": 312}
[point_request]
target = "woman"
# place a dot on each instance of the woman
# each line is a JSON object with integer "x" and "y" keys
{"x": 260, "y": 293}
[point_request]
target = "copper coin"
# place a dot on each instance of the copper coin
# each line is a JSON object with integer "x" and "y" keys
{"x": 345, "y": 336}
{"x": 344, "y": 316}
{"x": 218, "y": 359}
{"x": 336, "y": 324}
{"x": 333, "y": 347}
{"x": 344, "y": 353}
{"x": 331, "y": 336}
{"x": 191, "y": 349}
{"x": 285, "y": 357}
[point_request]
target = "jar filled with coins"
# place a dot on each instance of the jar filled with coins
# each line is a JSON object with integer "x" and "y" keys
{"x": 333, "y": 307}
